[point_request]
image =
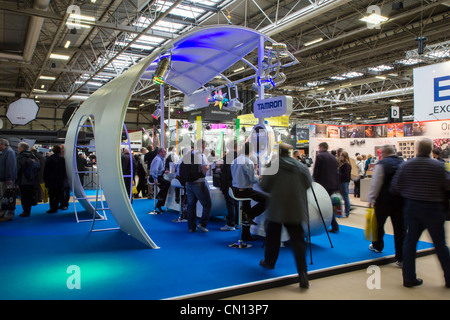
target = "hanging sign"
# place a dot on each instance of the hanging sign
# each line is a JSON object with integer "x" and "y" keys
{"x": 273, "y": 107}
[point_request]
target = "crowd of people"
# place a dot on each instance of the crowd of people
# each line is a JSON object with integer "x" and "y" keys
{"x": 414, "y": 194}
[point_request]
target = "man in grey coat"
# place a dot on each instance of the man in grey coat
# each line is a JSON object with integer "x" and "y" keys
{"x": 289, "y": 207}
{"x": 8, "y": 174}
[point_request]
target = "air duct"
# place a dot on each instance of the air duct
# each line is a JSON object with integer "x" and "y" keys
{"x": 34, "y": 29}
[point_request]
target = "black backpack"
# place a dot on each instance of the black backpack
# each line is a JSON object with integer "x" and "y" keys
{"x": 32, "y": 168}
{"x": 190, "y": 171}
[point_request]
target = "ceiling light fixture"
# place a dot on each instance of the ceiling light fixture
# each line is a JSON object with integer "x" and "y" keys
{"x": 313, "y": 42}
{"x": 81, "y": 17}
{"x": 374, "y": 19}
{"x": 239, "y": 69}
{"x": 67, "y": 44}
{"x": 77, "y": 25}
{"x": 47, "y": 78}
{"x": 59, "y": 56}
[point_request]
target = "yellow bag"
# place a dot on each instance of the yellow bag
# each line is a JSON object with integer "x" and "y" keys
{"x": 134, "y": 190}
{"x": 370, "y": 231}
{"x": 45, "y": 193}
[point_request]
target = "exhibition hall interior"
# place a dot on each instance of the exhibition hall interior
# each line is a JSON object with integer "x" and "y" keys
{"x": 224, "y": 149}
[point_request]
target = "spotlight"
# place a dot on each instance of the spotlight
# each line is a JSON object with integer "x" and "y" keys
{"x": 156, "y": 113}
{"x": 421, "y": 44}
{"x": 162, "y": 70}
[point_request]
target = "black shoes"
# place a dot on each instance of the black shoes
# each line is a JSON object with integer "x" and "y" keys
{"x": 265, "y": 265}
{"x": 304, "y": 283}
{"x": 410, "y": 284}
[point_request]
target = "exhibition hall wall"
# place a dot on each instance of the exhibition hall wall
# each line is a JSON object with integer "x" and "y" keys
{"x": 368, "y": 139}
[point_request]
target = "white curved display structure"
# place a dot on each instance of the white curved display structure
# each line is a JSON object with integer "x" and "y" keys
{"x": 196, "y": 58}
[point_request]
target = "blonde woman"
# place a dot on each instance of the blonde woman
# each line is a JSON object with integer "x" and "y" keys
{"x": 345, "y": 169}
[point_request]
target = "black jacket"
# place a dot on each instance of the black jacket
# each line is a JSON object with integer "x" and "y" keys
{"x": 54, "y": 171}
{"x": 326, "y": 171}
{"x": 26, "y": 176}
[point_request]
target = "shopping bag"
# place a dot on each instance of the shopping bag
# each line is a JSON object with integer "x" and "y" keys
{"x": 370, "y": 230}
{"x": 8, "y": 201}
{"x": 338, "y": 204}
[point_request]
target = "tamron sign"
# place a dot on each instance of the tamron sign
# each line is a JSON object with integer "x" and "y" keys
{"x": 273, "y": 107}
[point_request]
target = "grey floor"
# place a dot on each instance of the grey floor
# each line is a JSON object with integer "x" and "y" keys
{"x": 353, "y": 285}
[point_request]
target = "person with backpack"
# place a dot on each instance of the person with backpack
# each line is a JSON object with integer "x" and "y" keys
{"x": 386, "y": 203}
{"x": 28, "y": 167}
{"x": 192, "y": 171}
{"x": 8, "y": 175}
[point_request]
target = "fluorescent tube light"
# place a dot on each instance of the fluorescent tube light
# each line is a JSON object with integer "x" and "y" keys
{"x": 81, "y": 17}
{"x": 313, "y": 42}
{"x": 47, "y": 78}
{"x": 374, "y": 18}
{"x": 77, "y": 25}
{"x": 59, "y": 56}
{"x": 39, "y": 91}
{"x": 239, "y": 69}
{"x": 67, "y": 44}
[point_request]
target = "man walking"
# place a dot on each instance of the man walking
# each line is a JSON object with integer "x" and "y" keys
{"x": 387, "y": 204}
{"x": 288, "y": 207}
{"x": 423, "y": 183}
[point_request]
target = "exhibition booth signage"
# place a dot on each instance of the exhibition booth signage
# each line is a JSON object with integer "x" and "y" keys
{"x": 212, "y": 114}
{"x": 273, "y": 107}
{"x": 432, "y": 92}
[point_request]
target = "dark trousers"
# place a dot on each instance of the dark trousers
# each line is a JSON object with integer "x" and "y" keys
{"x": 55, "y": 197}
{"x": 197, "y": 191}
{"x": 27, "y": 197}
{"x": 421, "y": 215}
{"x": 232, "y": 209}
{"x": 257, "y": 196}
{"x": 334, "y": 224}
{"x": 393, "y": 209}
{"x": 297, "y": 243}
{"x": 163, "y": 186}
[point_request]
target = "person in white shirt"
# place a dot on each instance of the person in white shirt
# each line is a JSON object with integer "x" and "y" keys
{"x": 360, "y": 167}
{"x": 244, "y": 177}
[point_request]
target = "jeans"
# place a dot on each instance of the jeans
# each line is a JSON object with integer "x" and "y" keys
{"x": 197, "y": 191}
{"x": 421, "y": 215}
{"x": 343, "y": 186}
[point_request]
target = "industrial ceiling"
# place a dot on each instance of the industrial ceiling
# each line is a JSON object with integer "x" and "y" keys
{"x": 349, "y": 70}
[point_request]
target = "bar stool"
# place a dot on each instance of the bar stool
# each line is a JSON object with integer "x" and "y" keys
{"x": 240, "y": 244}
{"x": 177, "y": 184}
{"x": 155, "y": 185}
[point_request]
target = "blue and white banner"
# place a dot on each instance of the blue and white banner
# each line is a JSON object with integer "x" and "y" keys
{"x": 432, "y": 92}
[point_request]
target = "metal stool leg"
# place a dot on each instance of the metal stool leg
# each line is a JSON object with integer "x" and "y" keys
{"x": 240, "y": 244}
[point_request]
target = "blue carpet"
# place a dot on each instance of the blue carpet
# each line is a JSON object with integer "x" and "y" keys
{"x": 36, "y": 252}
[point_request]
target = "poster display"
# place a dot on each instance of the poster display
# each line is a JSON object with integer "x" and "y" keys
{"x": 368, "y": 139}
